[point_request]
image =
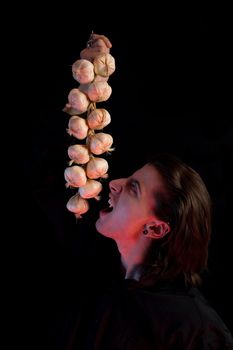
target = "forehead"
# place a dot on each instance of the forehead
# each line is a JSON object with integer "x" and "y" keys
{"x": 149, "y": 178}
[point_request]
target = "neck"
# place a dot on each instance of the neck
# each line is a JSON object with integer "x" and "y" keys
{"x": 133, "y": 254}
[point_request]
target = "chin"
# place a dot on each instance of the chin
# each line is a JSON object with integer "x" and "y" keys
{"x": 98, "y": 226}
{"x": 102, "y": 229}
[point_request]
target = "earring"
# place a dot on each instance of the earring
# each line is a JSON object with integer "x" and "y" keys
{"x": 145, "y": 231}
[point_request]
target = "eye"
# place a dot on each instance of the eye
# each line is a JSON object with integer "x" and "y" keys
{"x": 132, "y": 186}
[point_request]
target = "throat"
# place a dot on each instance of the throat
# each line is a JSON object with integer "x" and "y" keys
{"x": 134, "y": 273}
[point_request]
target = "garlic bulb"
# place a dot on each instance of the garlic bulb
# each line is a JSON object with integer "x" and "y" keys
{"x": 98, "y": 119}
{"x": 77, "y": 127}
{"x": 104, "y": 64}
{"x": 78, "y": 154}
{"x": 77, "y": 205}
{"x": 100, "y": 143}
{"x": 96, "y": 168}
{"x": 75, "y": 176}
{"x": 99, "y": 91}
{"x": 83, "y": 71}
{"x": 78, "y": 102}
{"x": 92, "y": 72}
{"x": 91, "y": 189}
{"x": 98, "y": 46}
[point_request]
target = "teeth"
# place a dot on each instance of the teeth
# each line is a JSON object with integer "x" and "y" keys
{"x": 110, "y": 203}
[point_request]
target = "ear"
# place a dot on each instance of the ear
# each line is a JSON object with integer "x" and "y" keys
{"x": 158, "y": 229}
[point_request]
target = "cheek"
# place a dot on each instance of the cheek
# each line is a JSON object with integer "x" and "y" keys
{"x": 120, "y": 220}
{"x": 128, "y": 217}
{"x": 126, "y": 212}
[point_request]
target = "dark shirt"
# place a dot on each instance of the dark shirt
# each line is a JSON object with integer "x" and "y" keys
{"x": 129, "y": 316}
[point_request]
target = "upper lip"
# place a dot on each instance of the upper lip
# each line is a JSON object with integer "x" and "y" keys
{"x": 110, "y": 201}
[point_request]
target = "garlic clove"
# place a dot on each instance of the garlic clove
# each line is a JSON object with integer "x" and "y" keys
{"x": 100, "y": 143}
{"x": 77, "y": 205}
{"x": 79, "y": 153}
{"x": 83, "y": 71}
{"x": 77, "y": 101}
{"x": 97, "y": 91}
{"x": 104, "y": 64}
{"x": 97, "y": 167}
{"x": 98, "y": 119}
{"x": 98, "y": 46}
{"x": 91, "y": 189}
{"x": 75, "y": 176}
{"x": 77, "y": 127}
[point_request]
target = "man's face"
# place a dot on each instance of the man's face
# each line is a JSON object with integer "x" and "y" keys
{"x": 132, "y": 200}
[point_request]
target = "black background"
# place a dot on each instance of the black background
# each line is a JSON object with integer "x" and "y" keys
{"x": 171, "y": 91}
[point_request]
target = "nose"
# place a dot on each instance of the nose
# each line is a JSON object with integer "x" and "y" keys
{"x": 116, "y": 186}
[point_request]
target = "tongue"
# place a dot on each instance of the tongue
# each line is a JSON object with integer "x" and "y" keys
{"x": 106, "y": 211}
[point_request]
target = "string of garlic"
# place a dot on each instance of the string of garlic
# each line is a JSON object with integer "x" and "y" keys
{"x": 86, "y": 169}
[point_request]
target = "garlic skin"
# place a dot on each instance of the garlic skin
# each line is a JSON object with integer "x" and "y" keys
{"x": 100, "y": 78}
{"x": 78, "y": 154}
{"x": 75, "y": 176}
{"x": 78, "y": 102}
{"x": 97, "y": 167}
{"x": 78, "y": 127}
{"x": 104, "y": 64}
{"x": 98, "y": 46}
{"x": 77, "y": 205}
{"x": 97, "y": 91}
{"x": 98, "y": 119}
{"x": 83, "y": 71}
{"x": 91, "y": 189}
{"x": 100, "y": 143}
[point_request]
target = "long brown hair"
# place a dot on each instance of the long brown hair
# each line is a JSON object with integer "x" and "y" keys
{"x": 185, "y": 203}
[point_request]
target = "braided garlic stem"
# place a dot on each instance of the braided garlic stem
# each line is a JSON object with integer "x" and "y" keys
{"x": 85, "y": 171}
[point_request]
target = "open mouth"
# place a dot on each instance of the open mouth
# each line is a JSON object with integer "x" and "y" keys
{"x": 108, "y": 209}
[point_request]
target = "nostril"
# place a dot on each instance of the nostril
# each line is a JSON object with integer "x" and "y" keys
{"x": 115, "y": 186}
